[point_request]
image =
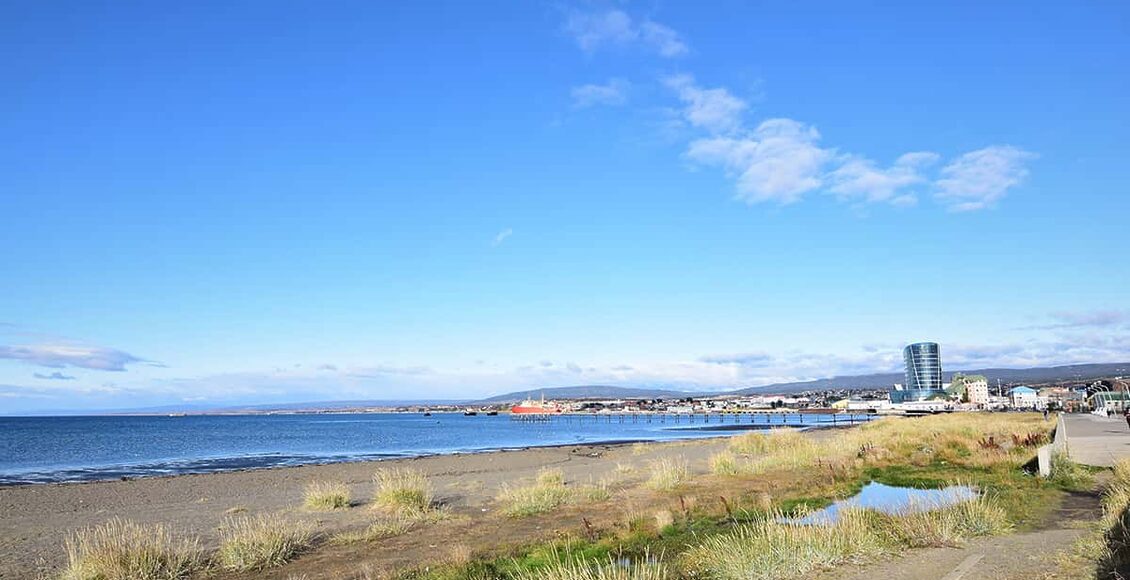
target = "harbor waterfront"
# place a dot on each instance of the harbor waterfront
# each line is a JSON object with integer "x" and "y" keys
{"x": 89, "y": 448}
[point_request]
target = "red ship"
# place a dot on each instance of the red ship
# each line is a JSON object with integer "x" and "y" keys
{"x": 532, "y": 407}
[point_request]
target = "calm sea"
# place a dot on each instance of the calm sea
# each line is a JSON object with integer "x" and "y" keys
{"x": 58, "y": 449}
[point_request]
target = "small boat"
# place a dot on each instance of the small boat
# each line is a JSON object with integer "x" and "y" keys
{"x": 492, "y": 413}
{"x": 427, "y": 413}
{"x": 470, "y": 413}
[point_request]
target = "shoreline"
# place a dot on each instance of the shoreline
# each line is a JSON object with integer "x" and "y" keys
{"x": 358, "y": 459}
{"x": 36, "y": 519}
{"x": 134, "y": 472}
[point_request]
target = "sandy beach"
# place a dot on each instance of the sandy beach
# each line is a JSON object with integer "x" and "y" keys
{"x": 35, "y": 520}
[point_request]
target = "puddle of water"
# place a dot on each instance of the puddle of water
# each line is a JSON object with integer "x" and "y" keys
{"x": 890, "y": 500}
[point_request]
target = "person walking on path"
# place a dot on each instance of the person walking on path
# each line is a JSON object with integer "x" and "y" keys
{"x": 1127, "y": 415}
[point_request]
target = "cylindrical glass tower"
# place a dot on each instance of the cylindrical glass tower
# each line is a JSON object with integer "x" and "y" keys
{"x": 923, "y": 374}
{"x": 923, "y": 366}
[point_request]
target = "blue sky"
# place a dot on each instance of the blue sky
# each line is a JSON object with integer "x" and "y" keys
{"x": 222, "y": 203}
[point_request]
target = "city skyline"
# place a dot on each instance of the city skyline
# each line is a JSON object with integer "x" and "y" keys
{"x": 357, "y": 202}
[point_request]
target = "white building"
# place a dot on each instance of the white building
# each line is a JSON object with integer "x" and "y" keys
{"x": 977, "y": 391}
{"x": 1024, "y": 398}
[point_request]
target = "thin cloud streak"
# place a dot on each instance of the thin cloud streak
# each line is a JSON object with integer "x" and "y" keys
{"x": 70, "y": 355}
{"x": 611, "y": 94}
{"x": 501, "y": 237}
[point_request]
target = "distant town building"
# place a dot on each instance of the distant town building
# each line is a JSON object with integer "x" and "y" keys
{"x": 958, "y": 389}
{"x": 923, "y": 374}
{"x": 1024, "y": 398}
{"x": 977, "y": 390}
{"x": 1064, "y": 398}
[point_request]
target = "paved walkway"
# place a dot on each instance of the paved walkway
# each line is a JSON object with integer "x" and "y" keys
{"x": 1094, "y": 440}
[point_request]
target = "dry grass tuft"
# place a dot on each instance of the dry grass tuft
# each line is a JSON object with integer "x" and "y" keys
{"x": 403, "y": 490}
{"x": 261, "y": 542}
{"x": 545, "y": 495}
{"x": 389, "y": 527}
{"x": 951, "y": 525}
{"x": 124, "y": 550}
{"x": 326, "y": 495}
{"x": 595, "y": 491}
{"x": 668, "y": 473}
{"x": 459, "y": 555}
{"x": 770, "y": 549}
{"x": 724, "y": 463}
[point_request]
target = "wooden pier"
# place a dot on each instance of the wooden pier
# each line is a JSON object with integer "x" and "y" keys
{"x": 752, "y": 419}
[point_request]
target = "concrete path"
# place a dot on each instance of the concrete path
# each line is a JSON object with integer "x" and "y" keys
{"x": 1094, "y": 440}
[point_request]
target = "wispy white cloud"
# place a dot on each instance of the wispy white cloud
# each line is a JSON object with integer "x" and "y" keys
{"x": 595, "y": 30}
{"x": 978, "y": 179}
{"x": 663, "y": 39}
{"x": 612, "y": 93}
{"x": 859, "y": 179}
{"x": 715, "y": 110}
{"x": 501, "y": 237}
{"x": 61, "y": 355}
{"x": 779, "y": 161}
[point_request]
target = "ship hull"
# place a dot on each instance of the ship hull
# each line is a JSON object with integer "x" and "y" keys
{"x": 533, "y": 410}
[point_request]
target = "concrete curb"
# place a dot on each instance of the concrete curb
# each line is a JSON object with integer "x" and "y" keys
{"x": 1057, "y": 446}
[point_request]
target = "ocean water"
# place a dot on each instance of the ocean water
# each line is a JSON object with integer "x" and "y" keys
{"x": 64, "y": 449}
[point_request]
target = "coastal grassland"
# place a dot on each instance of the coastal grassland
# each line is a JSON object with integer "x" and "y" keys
{"x": 326, "y": 495}
{"x": 124, "y": 550}
{"x": 403, "y": 490}
{"x": 731, "y": 524}
{"x": 261, "y": 542}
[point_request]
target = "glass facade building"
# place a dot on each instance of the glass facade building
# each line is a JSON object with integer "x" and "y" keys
{"x": 923, "y": 373}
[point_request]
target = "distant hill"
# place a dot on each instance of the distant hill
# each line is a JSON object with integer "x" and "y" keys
{"x": 590, "y": 392}
{"x": 1081, "y": 372}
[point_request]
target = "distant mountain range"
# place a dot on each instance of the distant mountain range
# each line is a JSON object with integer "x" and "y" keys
{"x": 1081, "y": 372}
